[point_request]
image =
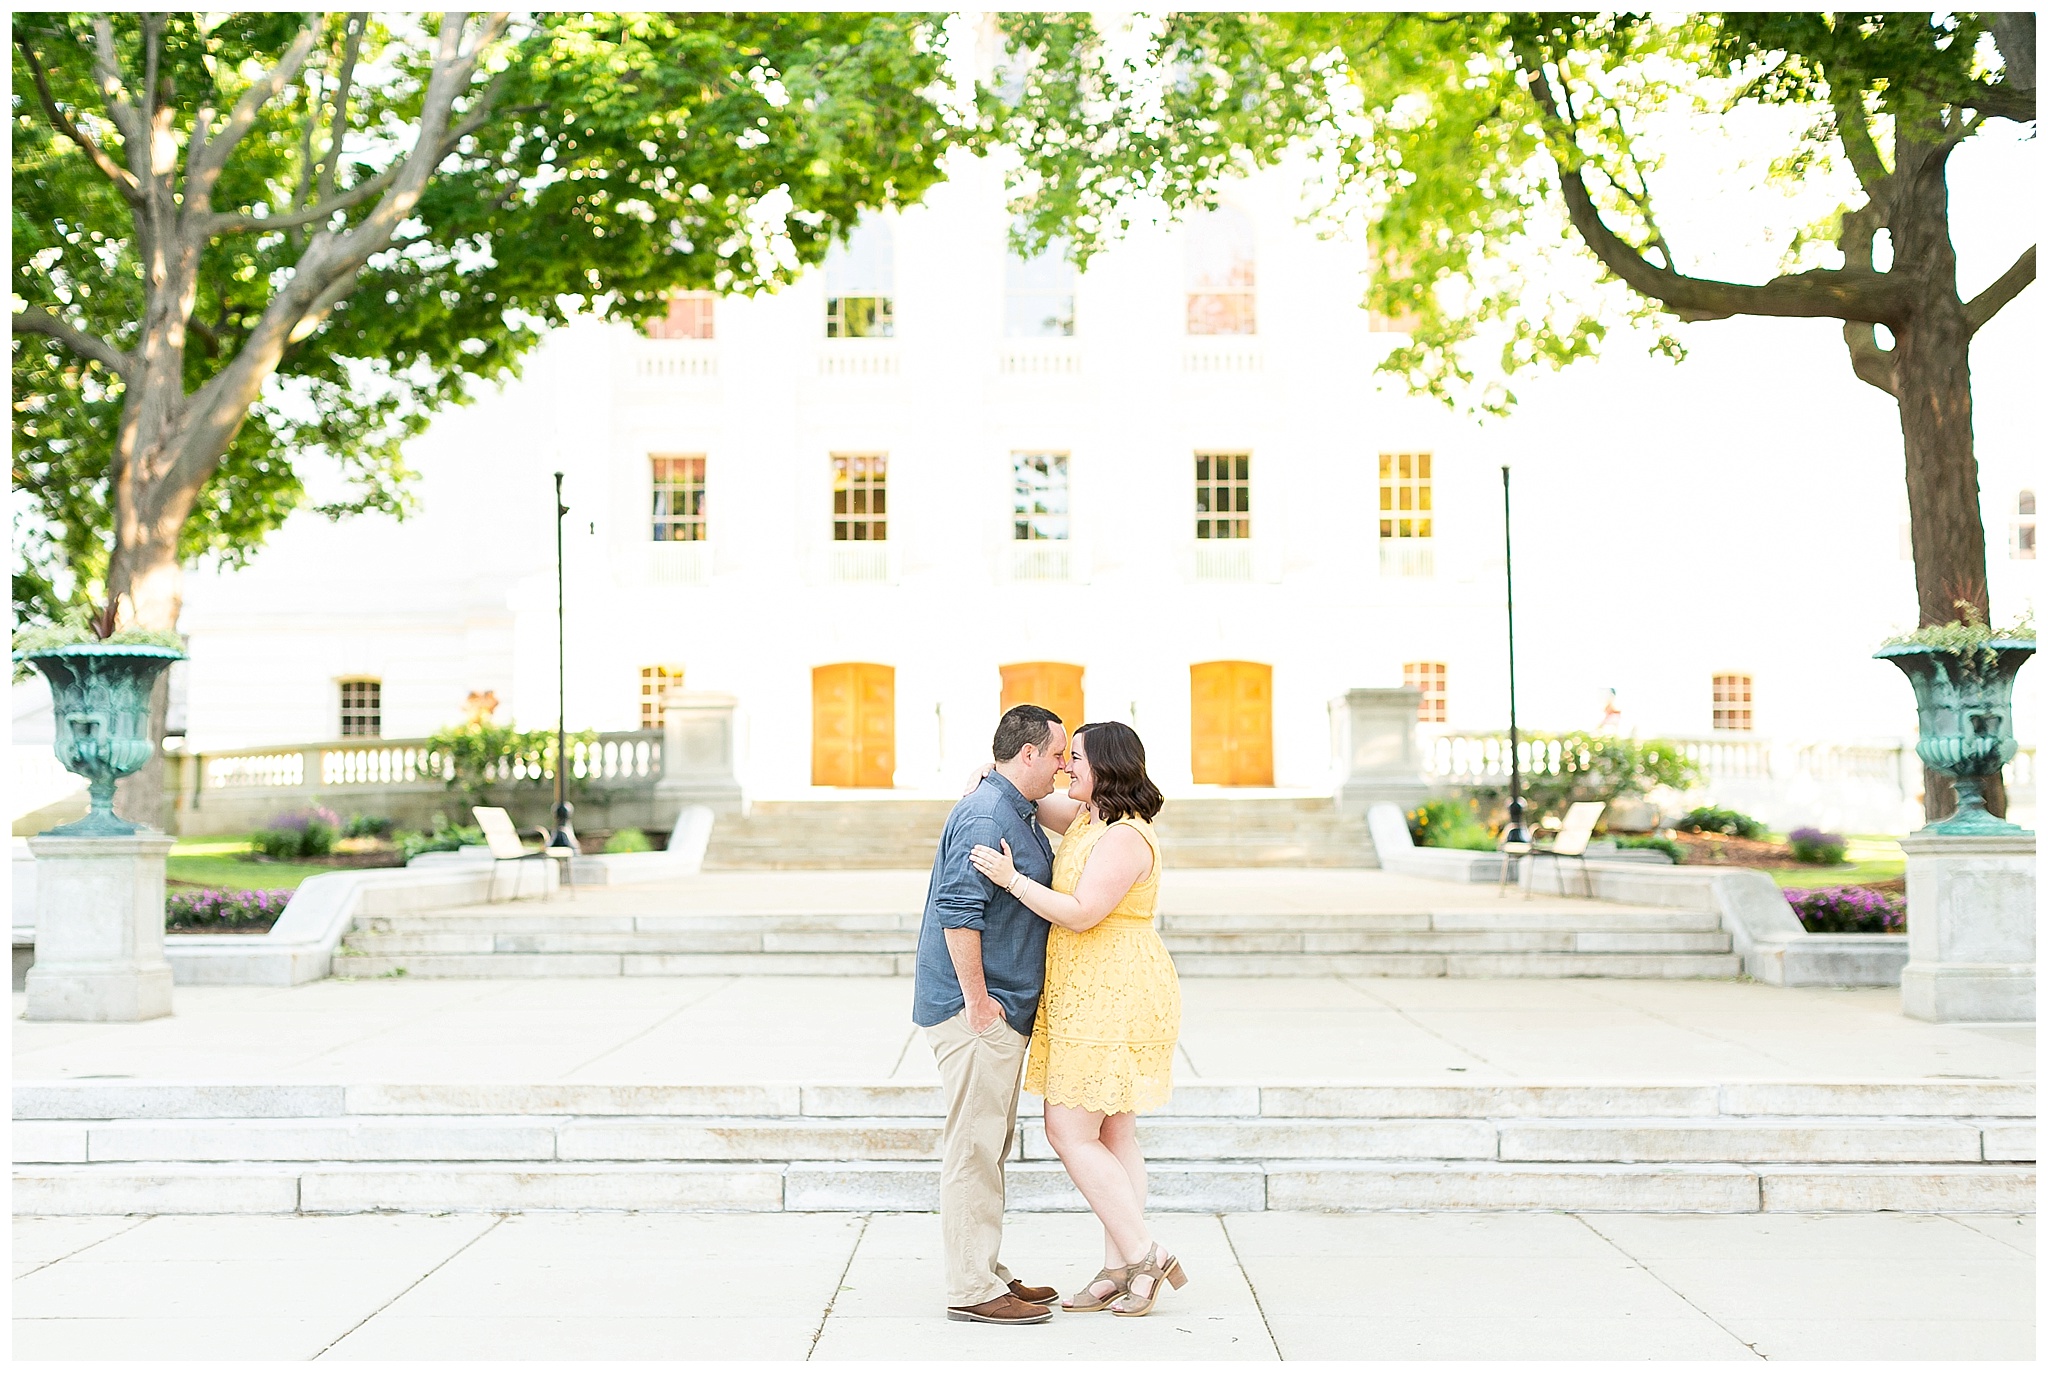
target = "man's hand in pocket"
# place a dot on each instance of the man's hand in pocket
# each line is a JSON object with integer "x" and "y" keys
{"x": 982, "y": 1018}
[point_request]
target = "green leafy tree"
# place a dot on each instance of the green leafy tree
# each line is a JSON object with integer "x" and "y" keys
{"x": 247, "y": 243}
{"x": 1481, "y": 152}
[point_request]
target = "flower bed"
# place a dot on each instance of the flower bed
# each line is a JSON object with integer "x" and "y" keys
{"x": 217, "y": 910}
{"x": 1848, "y": 910}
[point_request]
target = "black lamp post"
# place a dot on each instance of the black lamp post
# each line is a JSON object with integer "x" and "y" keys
{"x": 564, "y": 837}
{"x": 1517, "y": 832}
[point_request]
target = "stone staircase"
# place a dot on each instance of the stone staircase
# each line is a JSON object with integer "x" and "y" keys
{"x": 1203, "y": 833}
{"x": 1482, "y": 936}
{"x": 98, "y": 1147}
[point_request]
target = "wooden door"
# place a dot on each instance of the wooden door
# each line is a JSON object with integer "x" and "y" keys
{"x": 1232, "y": 723}
{"x": 853, "y": 725}
{"x": 1056, "y": 686}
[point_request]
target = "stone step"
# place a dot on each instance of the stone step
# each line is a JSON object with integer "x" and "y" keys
{"x": 905, "y": 941}
{"x": 808, "y": 963}
{"x": 109, "y": 1099}
{"x": 1296, "y": 1185}
{"x": 700, "y": 1139}
{"x": 1514, "y": 919}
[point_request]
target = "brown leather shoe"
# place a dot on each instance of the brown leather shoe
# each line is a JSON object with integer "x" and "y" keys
{"x": 1039, "y": 1296}
{"x": 1003, "y": 1310}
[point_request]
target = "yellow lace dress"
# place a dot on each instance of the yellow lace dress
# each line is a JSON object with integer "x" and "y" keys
{"x": 1110, "y": 1015}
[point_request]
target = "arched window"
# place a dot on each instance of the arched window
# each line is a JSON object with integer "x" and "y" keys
{"x": 2023, "y": 526}
{"x": 1221, "y": 274}
{"x": 1038, "y": 294}
{"x": 1433, "y": 679}
{"x": 1734, "y": 695}
{"x": 860, "y": 284}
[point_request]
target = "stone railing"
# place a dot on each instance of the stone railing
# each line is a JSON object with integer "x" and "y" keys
{"x": 614, "y": 781}
{"x": 1869, "y": 787}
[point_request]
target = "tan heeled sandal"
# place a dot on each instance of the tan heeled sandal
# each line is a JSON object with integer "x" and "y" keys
{"x": 1161, "y": 1273}
{"x": 1086, "y": 1300}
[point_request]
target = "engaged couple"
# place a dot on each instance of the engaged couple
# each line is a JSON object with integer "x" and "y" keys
{"x": 1024, "y": 954}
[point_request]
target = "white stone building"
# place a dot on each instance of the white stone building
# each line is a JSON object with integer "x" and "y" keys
{"x": 1713, "y": 545}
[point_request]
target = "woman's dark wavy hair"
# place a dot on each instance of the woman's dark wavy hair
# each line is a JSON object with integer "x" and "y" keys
{"x": 1117, "y": 757}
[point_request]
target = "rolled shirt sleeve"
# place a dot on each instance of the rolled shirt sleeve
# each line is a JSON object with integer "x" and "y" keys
{"x": 961, "y": 895}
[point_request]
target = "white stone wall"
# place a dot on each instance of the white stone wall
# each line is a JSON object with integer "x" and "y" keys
{"x": 1740, "y": 511}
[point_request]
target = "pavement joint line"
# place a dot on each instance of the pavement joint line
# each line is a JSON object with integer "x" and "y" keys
{"x": 140, "y": 1221}
{"x": 909, "y": 1038}
{"x": 1996, "y": 1239}
{"x": 1438, "y": 1036}
{"x": 852, "y": 1252}
{"x": 1223, "y": 1224}
{"x": 1661, "y": 1281}
{"x": 459, "y": 1250}
{"x": 688, "y": 1004}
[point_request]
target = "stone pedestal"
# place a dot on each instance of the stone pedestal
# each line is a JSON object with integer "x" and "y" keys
{"x": 100, "y": 928}
{"x": 1378, "y": 752}
{"x": 697, "y": 752}
{"x": 1969, "y": 927}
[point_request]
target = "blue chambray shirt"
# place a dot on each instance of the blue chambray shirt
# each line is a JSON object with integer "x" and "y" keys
{"x": 960, "y": 898}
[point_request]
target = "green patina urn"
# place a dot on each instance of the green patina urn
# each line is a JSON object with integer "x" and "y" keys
{"x": 1965, "y": 703}
{"x": 100, "y": 693}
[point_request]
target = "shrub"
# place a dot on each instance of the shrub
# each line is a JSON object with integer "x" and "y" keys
{"x": 412, "y": 843}
{"x": 1447, "y": 824}
{"x": 308, "y": 833}
{"x": 628, "y": 841}
{"x": 1848, "y": 910}
{"x": 217, "y": 908}
{"x": 1810, "y": 845}
{"x": 368, "y": 827}
{"x": 1651, "y": 841}
{"x": 1714, "y": 820}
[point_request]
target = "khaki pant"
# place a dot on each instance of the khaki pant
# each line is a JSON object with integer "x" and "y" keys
{"x": 983, "y": 1074}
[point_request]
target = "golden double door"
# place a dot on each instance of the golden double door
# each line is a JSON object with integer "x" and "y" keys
{"x": 853, "y": 725}
{"x": 1056, "y": 686}
{"x": 1233, "y": 723}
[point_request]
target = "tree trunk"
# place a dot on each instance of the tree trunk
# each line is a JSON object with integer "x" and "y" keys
{"x": 1931, "y": 377}
{"x": 147, "y": 582}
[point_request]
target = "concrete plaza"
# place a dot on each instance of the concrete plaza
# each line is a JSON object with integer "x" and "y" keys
{"x": 792, "y": 1286}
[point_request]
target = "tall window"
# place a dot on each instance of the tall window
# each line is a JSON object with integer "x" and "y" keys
{"x": 860, "y": 496}
{"x": 689, "y": 316}
{"x": 1405, "y": 496}
{"x": 1432, "y": 678}
{"x": 653, "y": 682}
{"x": 860, "y": 284}
{"x": 1221, "y": 274}
{"x": 1038, "y": 294}
{"x": 362, "y": 709}
{"x": 1733, "y": 695}
{"x": 678, "y": 500}
{"x": 1041, "y": 495}
{"x": 2023, "y": 526}
{"x": 1223, "y": 495}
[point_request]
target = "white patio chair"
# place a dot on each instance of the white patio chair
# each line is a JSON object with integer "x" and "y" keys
{"x": 1572, "y": 837}
{"x": 503, "y": 837}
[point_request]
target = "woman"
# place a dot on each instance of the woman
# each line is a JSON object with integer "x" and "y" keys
{"x": 1102, "y": 1048}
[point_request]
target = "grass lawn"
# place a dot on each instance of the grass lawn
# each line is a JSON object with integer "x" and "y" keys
{"x": 213, "y": 861}
{"x": 1841, "y": 875}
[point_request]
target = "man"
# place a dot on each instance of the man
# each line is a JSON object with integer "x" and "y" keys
{"x": 980, "y": 969}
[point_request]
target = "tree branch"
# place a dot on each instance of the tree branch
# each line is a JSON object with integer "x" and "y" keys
{"x": 62, "y": 123}
{"x": 1873, "y": 297}
{"x": 1872, "y": 364}
{"x": 1852, "y": 124}
{"x": 265, "y": 89}
{"x": 49, "y": 324}
{"x": 356, "y": 24}
{"x": 1995, "y": 297}
{"x": 312, "y": 214}
{"x": 106, "y": 69}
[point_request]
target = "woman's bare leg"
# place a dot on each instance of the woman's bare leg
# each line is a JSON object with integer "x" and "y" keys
{"x": 1101, "y": 1177}
{"x": 1120, "y": 1137}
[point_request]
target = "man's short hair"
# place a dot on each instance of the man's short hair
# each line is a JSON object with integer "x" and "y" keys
{"x": 1023, "y": 725}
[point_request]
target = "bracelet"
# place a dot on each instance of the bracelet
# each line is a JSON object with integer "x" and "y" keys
{"x": 1015, "y": 882}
